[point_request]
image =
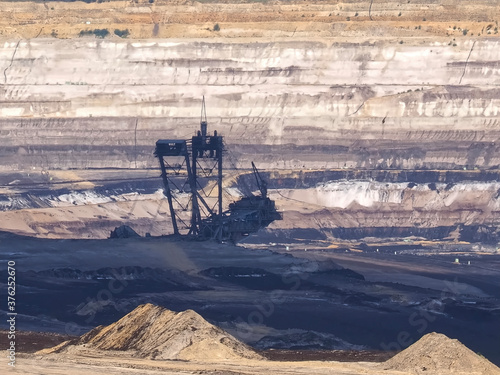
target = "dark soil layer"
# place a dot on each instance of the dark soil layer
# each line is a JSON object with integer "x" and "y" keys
{"x": 327, "y": 355}
{"x": 30, "y": 342}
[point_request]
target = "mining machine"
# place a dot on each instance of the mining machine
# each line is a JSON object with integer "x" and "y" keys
{"x": 188, "y": 164}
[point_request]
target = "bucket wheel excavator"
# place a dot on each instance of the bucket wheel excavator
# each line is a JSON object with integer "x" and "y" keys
{"x": 186, "y": 168}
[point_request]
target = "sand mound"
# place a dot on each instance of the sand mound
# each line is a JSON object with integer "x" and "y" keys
{"x": 154, "y": 332}
{"x": 437, "y": 354}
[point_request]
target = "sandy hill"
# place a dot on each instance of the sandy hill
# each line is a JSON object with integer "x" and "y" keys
{"x": 437, "y": 354}
{"x": 154, "y": 332}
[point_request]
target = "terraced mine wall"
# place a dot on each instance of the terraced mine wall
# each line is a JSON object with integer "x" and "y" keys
{"x": 324, "y": 103}
{"x": 372, "y": 118}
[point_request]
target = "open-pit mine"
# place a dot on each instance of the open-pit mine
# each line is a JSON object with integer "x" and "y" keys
{"x": 375, "y": 128}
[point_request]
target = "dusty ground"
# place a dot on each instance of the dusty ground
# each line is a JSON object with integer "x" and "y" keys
{"x": 101, "y": 365}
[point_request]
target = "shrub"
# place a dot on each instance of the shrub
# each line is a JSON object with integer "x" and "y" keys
{"x": 85, "y": 32}
{"x": 100, "y": 33}
{"x": 465, "y": 31}
{"x": 216, "y": 27}
{"x": 122, "y": 33}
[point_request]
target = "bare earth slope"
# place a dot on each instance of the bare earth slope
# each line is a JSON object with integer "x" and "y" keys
{"x": 154, "y": 332}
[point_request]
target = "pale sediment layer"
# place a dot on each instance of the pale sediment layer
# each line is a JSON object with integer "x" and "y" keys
{"x": 320, "y": 102}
